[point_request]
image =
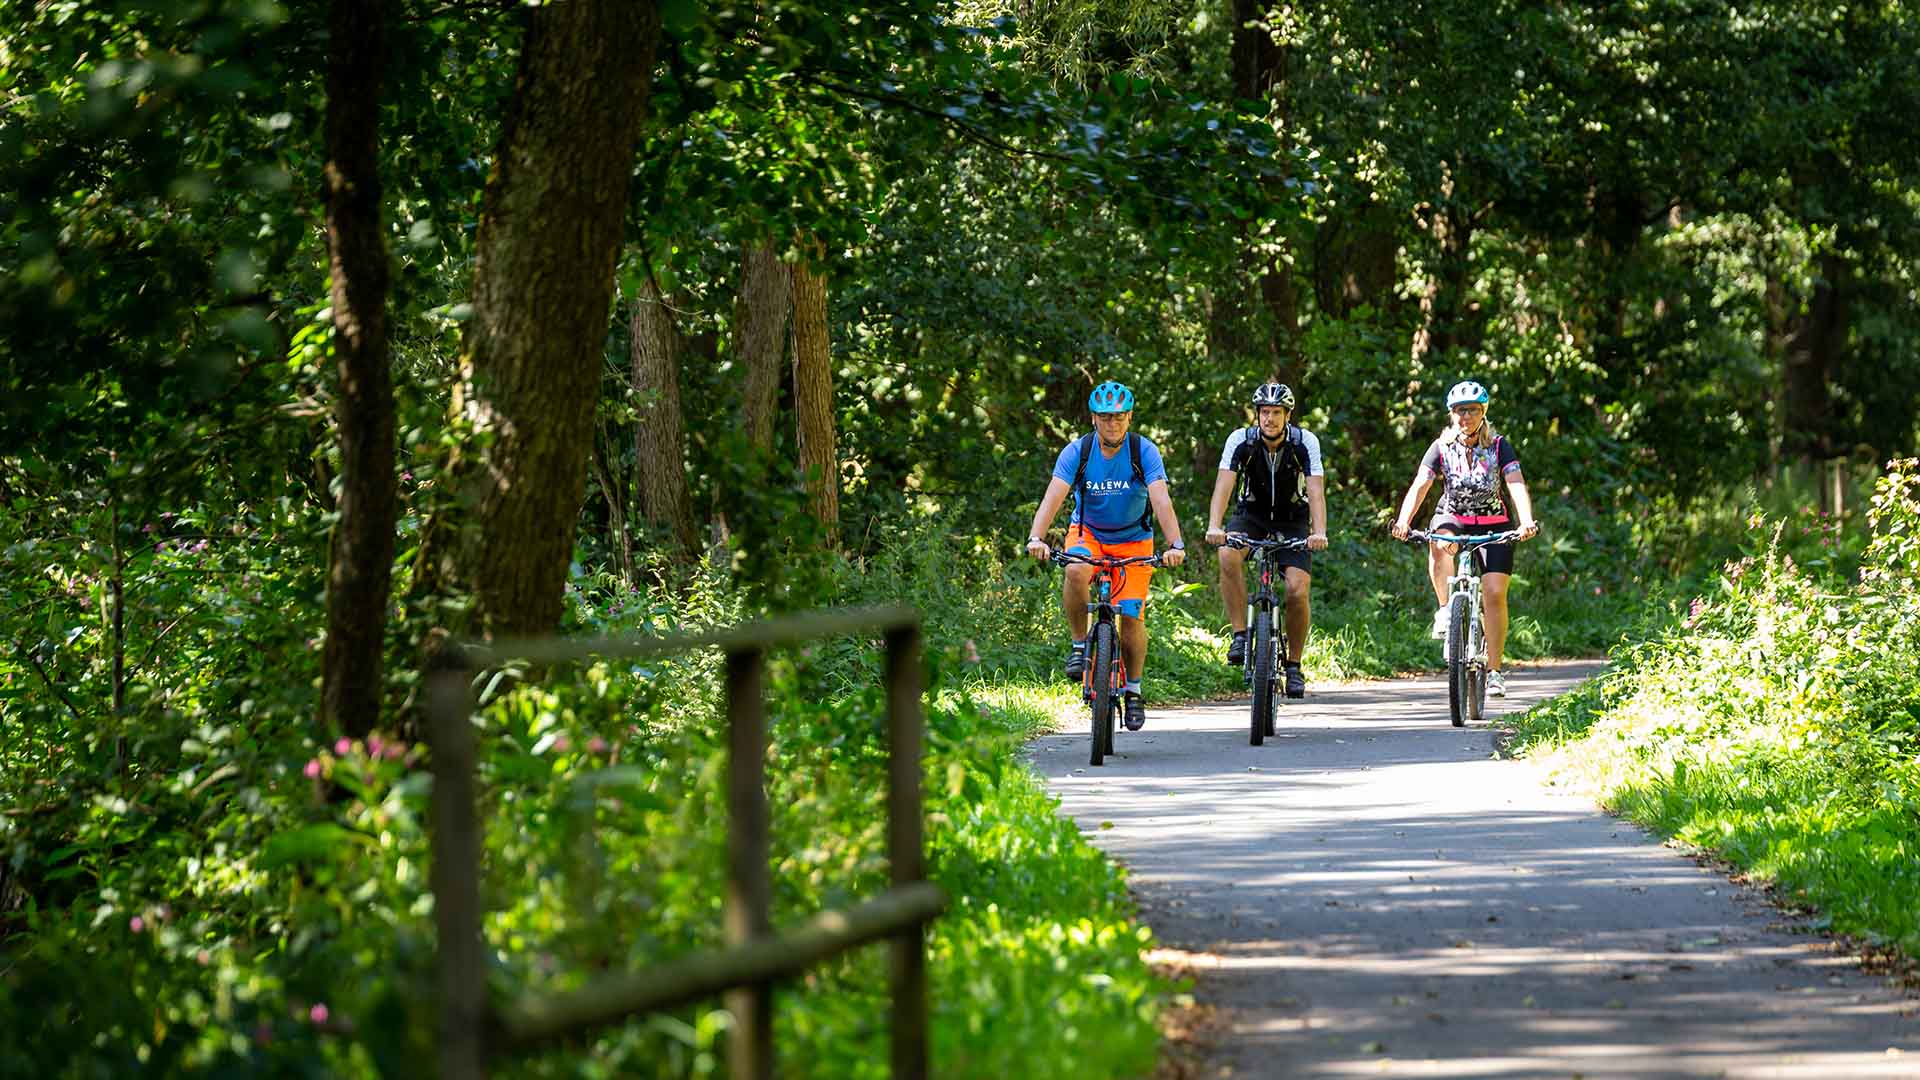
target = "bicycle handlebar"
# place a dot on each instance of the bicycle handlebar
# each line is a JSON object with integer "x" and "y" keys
{"x": 1065, "y": 558}
{"x": 1417, "y": 536}
{"x": 1242, "y": 540}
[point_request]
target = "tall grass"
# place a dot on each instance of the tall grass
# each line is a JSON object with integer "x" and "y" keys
{"x": 1778, "y": 722}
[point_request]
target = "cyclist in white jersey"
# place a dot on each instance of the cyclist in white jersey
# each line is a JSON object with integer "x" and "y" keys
{"x": 1283, "y": 493}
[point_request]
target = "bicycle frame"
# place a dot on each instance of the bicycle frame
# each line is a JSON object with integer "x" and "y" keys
{"x": 1466, "y": 643}
{"x": 1103, "y": 638}
{"x": 1267, "y": 630}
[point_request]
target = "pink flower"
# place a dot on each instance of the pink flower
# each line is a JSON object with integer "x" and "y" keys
{"x": 561, "y": 744}
{"x": 394, "y": 751}
{"x": 204, "y": 957}
{"x": 597, "y": 745}
{"x": 342, "y": 746}
{"x": 136, "y": 924}
{"x": 313, "y": 769}
{"x": 1596, "y": 590}
{"x": 969, "y": 653}
{"x": 318, "y": 1014}
{"x": 374, "y": 745}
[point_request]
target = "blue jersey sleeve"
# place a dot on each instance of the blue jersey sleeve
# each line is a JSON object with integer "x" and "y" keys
{"x": 1151, "y": 466}
{"x": 1067, "y": 462}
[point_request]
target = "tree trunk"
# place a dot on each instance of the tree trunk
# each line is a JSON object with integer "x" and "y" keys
{"x": 1445, "y": 326}
{"x": 1354, "y": 259}
{"x": 760, "y": 335}
{"x": 360, "y": 557}
{"x": 1810, "y": 353}
{"x": 550, "y": 230}
{"x": 1260, "y": 75}
{"x": 659, "y": 441}
{"x": 813, "y": 393}
{"x": 1620, "y": 226}
{"x": 613, "y": 486}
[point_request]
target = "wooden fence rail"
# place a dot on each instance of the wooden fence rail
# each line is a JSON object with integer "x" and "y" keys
{"x": 755, "y": 956}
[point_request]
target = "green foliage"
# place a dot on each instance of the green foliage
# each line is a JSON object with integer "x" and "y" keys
{"x": 1777, "y": 723}
{"x": 275, "y": 932}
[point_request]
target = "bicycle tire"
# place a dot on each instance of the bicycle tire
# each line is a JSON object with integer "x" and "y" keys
{"x": 1262, "y": 720}
{"x": 1457, "y": 660}
{"x": 1116, "y": 699}
{"x": 1100, "y": 691}
{"x": 1276, "y": 689}
{"x": 1477, "y": 688}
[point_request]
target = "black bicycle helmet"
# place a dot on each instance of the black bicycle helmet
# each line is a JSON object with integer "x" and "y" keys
{"x": 1274, "y": 393}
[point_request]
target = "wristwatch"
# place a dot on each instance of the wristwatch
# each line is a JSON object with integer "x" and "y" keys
{"x": 1177, "y": 545}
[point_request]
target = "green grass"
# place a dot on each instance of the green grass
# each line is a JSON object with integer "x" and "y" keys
{"x": 1776, "y": 724}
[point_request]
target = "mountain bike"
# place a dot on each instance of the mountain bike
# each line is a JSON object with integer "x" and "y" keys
{"x": 1106, "y": 677}
{"x": 1266, "y": 632}
{"x": 1466, "y": 638}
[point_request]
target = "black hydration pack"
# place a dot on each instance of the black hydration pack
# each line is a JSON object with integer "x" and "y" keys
{"x": 1087, "y": 444}
{"x": 1284, "y": 487}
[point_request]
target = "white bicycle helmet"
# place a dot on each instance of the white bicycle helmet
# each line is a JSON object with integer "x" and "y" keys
{"x": 1468, "y": 392}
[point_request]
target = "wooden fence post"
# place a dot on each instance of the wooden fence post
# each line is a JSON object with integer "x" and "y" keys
{"x": 456, "y": 868}
{"x": 749, "y": 873}
{"x": 904, "y": 852}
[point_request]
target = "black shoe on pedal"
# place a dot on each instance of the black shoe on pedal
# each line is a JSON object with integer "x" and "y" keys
{"x": 1237, "y": 651}
{"x": 1135, "y": 713}
{"x": 1077, "y": 661}
{"x": 1296, "y": 682}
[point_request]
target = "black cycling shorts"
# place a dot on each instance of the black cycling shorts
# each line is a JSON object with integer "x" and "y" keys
{"x": 1494, "y": 558}
{"x": 1260, "y": 528}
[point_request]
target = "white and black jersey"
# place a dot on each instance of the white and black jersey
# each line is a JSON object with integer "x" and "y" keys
{"x": 1273, "y": 482}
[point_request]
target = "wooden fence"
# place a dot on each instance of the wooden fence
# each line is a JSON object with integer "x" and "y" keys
{"x": 473, "y": 1028}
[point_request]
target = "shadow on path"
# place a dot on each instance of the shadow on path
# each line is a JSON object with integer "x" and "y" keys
{"x": 1373, "y": 894}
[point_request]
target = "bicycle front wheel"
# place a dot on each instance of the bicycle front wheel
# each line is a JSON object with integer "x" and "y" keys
{"x": 1458, "y": 673}
{"x": 1100, "y": 689}
{"x": 1262, "y": 719}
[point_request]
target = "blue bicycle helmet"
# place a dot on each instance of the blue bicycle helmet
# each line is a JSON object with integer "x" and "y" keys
{"x": 1110, "y": 397}
{"x": 1467, "y": 392}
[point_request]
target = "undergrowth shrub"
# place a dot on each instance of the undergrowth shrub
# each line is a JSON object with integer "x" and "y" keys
{"x": 1779, "y": 723}
{"x": 239, "y": 923}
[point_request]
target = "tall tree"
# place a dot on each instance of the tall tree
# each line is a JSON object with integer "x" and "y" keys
{"x": 360, "y": 559}
{"x": 813, "y": 390}
{"x": 550, "y": 230}
{"x": 659, "y": 434}
{"x": 759, "y": 331}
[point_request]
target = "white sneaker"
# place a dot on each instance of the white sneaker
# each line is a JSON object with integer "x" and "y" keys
{"x": 1440, "y": 625}
{"x": 1497, "y": 683}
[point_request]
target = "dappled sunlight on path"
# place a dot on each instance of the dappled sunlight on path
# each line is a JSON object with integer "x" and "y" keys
{"x": 1372, "y": 893}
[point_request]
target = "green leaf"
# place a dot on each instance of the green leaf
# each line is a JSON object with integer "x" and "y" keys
{"x": 310, "y": 843}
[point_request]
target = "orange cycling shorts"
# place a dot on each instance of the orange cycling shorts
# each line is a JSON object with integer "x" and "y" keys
{"x": 1131, "y": 595}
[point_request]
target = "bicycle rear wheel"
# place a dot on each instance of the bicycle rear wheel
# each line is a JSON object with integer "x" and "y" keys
{"x": 1458, "y": 673}
{"x": 1100, "y": 691}
{"x": 1262, "y": 720}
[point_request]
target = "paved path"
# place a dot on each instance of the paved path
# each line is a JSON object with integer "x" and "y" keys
{"x": 1373, "y": 894}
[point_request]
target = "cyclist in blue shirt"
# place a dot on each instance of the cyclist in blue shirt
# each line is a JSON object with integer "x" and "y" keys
{"x": 1121, "y": 485}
